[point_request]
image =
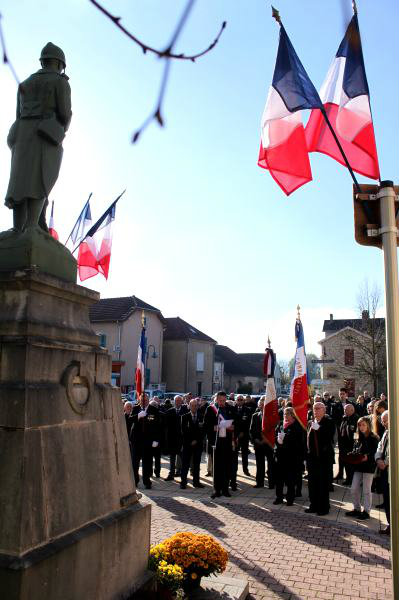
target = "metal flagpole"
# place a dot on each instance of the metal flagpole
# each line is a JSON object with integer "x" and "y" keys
{"x": 389, "y": 231}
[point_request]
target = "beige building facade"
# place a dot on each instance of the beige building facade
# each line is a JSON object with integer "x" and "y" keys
{"x": 118, "y": 323}
{"x": 347, "y": 356}
{"x": 188, "y": 357}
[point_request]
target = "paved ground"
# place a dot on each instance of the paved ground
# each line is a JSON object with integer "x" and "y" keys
{"x": 284, "y": 553}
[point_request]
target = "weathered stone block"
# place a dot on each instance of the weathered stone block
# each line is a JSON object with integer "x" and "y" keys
{"x": 68, "y": 503}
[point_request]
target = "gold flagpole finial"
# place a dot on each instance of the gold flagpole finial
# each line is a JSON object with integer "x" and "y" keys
{"x": 143, "y": 318}
{"x": 268, "y": 342}
{"x": 276, "y": 15}
{"x": 298, "y": 312}
{"x": 354, "y": 7}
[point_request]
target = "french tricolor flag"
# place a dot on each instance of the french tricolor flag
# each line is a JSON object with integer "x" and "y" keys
{"x": 95, "y": 249}
{"x": 299, "y": 385}
{"x": 345, "y": 96}
{"x": 270, "y": 417}
{"x": 283, "y": 149}
{"x": 140, "y": 367}
{"x": 51, "y": 228}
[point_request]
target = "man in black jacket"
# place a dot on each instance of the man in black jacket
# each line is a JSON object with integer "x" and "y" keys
{"x": 144, "y": 437}
{"x": 345, "y": 442}
{"x": 241, "y": 435}
{"x": 173, "y": 436}
{"x": 193, "y": 435}
{"x": 262, "y": 450}
{"x": 320, "y": 455}
{"x": 216, "y": 416}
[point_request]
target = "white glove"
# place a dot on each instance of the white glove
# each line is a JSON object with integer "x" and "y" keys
{"x": 280, "y": 437}
{"x": 315, "y": 425}
{"x": 222, "y": 431}
{"x": 142, "y": 414}
{"x": 155, "y": 444}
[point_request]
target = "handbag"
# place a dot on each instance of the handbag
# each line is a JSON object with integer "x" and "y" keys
{"x": 354, "y": 458}
{"x": 51, "y": 130}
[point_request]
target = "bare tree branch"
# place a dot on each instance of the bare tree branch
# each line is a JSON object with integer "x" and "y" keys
{"x": 6, "y": 60}
{"x": 167, "y": 53}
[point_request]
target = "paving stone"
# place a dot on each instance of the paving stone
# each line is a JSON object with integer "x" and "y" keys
{"x": 276, "y": 549}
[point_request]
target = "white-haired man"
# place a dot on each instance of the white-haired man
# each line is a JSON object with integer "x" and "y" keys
{"x": 320, "y": 455}
{"x": 174, "y": 440}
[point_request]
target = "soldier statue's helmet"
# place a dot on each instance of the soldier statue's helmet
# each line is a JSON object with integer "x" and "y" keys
{"x": 52, "y": 51}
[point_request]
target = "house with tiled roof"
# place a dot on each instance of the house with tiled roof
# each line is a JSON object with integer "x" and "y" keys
{"x": 188, "y": 357}
{"x": 353, "y": 355}
{"x": 238, "y": 372}
{"x": 118, "y": 323}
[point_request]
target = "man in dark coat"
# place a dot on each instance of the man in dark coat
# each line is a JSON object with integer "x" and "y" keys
{"x": 217, "y": 420}
{"x": 241, "y": 435}
{"x": 320, "y": 455}
{"x": 144, "y": 437}
{"x": 345, "y": 442}
{"x": 174, "y": 440}
{"x": 262, "y": 450}
{"x": 192, "y": 434}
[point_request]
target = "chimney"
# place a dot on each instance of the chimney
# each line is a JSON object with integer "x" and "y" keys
{"x": 331, "y": 317}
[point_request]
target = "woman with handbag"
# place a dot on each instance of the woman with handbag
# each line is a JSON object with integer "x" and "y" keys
{"x": 363, "y": 462}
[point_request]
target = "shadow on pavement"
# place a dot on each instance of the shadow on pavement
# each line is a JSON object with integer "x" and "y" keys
{"x": 323, "y": 534}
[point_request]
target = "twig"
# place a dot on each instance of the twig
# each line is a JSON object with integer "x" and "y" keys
{"x": 167, "y": 53}
{"x": 6, "y": 60}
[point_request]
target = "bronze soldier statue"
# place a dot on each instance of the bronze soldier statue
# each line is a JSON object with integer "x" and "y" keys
{"x": 35, "y": 139}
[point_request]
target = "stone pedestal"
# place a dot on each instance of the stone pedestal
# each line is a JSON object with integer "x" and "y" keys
{"x": 71, "y": 524}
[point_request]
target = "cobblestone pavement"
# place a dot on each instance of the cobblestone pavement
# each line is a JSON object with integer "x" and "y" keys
{"x": 284, "y": 553}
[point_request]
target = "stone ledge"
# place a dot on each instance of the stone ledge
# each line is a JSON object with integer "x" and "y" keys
{"x": 221, "y": 588}
{"x": 26, "y": 560}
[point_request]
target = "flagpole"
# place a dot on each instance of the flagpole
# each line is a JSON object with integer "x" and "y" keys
{"x": 87, "y": 201}
{"x": 276, "y": 16}
{"x": 93, "y": 228}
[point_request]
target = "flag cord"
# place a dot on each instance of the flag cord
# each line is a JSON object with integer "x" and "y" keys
{"x": 324, "y": 113}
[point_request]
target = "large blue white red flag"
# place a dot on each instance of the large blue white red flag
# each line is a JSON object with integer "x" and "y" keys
{"x": 95, "y": 250}
{"x": 299, "y": 385}
{"x": 140, "y": 367}
{"x": 81, "y": 226}
{"x": 283, "y": 149}
{"x": 345, "y": 96}
{"x": 270, "y": 417}
{"x": 51, "y": 228}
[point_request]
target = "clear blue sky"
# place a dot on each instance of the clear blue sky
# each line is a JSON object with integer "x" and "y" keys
{"x": 202, "y": 232}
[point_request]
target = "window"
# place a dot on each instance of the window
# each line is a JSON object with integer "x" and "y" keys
{"x": 200, "y": 361}
{"x": 103, "y": 340}
{"x": 349, "y": 356}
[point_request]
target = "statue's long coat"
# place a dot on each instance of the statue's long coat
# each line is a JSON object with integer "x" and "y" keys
{"x": 36, "y": 162}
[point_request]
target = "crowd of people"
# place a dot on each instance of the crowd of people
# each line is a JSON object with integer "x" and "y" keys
{"x": 225, "y": 427}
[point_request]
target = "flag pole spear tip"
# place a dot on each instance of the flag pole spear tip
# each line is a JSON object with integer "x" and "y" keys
{"x": 143, "y": 318}
{"x": 268, "y": 341}
{"x": 276, "y": 15}
{"x": 298, "y": 309}
{"x": 354, "y": 7}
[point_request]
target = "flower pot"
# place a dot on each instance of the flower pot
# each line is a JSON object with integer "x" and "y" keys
{"x": 163, "y": 593}
{"x": 190, "y": 584}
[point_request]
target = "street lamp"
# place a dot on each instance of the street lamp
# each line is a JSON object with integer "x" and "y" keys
{"x": 147, "y": 356}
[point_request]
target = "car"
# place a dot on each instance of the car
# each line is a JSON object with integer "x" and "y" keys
{"x": 132, "y": 396}
{"x": 171, "y": 395}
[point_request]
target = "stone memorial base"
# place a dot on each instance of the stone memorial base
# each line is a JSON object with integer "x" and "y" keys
{"x": 71, "y": 524}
